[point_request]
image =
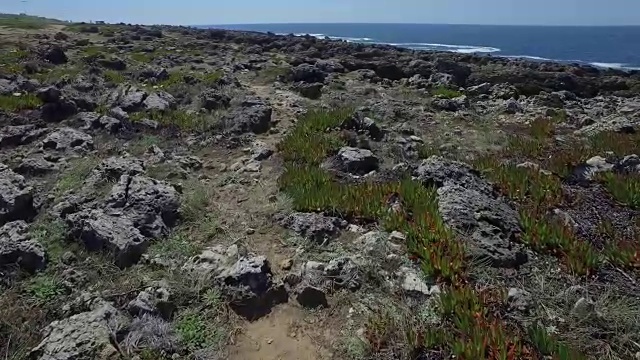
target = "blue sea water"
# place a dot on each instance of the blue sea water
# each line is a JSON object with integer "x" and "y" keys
{"x": 602, "y": 46}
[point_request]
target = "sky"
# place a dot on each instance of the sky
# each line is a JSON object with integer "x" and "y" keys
{"x": 210, "y": 12}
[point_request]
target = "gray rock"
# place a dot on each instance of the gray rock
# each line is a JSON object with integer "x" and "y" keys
{"x": 104, "y": 232}
{"x": 355, "y": 161}
{"x": 153, "y": 301}
{"x": 583, "y": 308}
{"x": 17, "y": 247}
{"x": 19, "y": 135}
{"x": 249, "y": 286}
{"x": 50, "y": 94}
{"x": 111, "y": 169}
{"x": 58, "y": 111}
{"x": 16, "y": 197}
{"x": 260, "y": 151}
{"x": 512, "y": 106}
{"x": 37, "y": 166}
{"x": 612, "y": 123}
{"x": 488, "y": 223}
{"x": 189, "y": 162}
{"x": 311, "y": 91}
{"x": 151, "y": 205}
{"x": 311, "y": 297}
{"x": 307, "y": 73}
{"x": 316, "y": 227}
{"x": 344, "y": 273}
{"x": 596, "y": 165}
{"x": 519, "y": 299}
{"x": 631, "y": 163}
{"x": 214, "y": 99}
{"x": 83, "y": 336}
{"x": 113, "y": 63}
{"x": 481, "y": 89}
{"x": 119, "y": 114}
{"x": 68, "y": 139}
{"x": 54, "y": 54}
{"x": 438, "y": 171}
{"x": 7, "y": 87}
{"x": 253, "y": 116}
{"x": 160, "y": 101}
{"x": 131, "y": 99}
{"x": 212, "y": 261}
{"x": 455, "y": 104}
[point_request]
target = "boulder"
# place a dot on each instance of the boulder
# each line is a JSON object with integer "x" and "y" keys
{"x": 95, "y": 121}
{"x": 111, "y": 169}
{"x": 316, "y": 227}
{"x": 55, "y": 55}
{"x": 86, "y": 335}
{"x": 311, "y": 297}
{"x": 249, "y": 286}
{"x": 59, "y": 110}
{"x": 19, "y": 135}
{"x": 356, "y": 161}
{"x": 17, "y": 247}
{"x": 50, "y": 94}
{"x": 104, "y": 232}
{"x": 8, "y": 87}
{"x": 67, "y": 139}
{"x": 16, "y": 197}
{"x": 160, "y": 101}
{"x": 212, "y": 261}
{"x": 151, "y": 205}
{"x": 455, "y": 104}
{"x": 37, "y": 165}
{"x": 307, "y": 73}
{"x": 252, "y": 116}
{"x": 310, "y": 90}
{"x": 260, "y": 150}
{"x": 155, "y": 301}
{"x": 113, "y": 63}
{"x": 214, "y": 99}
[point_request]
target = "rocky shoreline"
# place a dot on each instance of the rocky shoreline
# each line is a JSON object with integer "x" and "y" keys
{"x": 179, "y": 193}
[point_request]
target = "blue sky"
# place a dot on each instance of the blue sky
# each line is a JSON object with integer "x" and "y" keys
{"x": 196, "y": 12}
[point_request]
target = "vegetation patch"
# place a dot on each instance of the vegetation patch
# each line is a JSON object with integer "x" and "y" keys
{"x": 471, "y": 329}
{"x": 75, "y": 175}
{"x": 20, "y": 102}
{"x": 445, "y": 92}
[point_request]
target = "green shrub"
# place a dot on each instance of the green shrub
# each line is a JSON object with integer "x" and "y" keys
{"x": 445, "y": 92}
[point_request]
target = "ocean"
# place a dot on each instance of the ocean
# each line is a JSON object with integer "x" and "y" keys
{"x": 601, "y": 46}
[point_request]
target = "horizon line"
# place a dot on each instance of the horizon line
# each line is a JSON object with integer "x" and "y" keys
{"x": 409, "y": 23}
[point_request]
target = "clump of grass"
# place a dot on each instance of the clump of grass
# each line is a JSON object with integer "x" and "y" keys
{"x": 142, "y": 57}
{"x": 547, "y": 345}
{"x": 114, "y": 76}
{"x": 445, "y": 92}
{"x": 18, "y": 103}
{"x": 52, "y": 234}
{"x": 620, "y": 144}
{"x": 75, "y": 175}
{"x": 624, "y": 187}
{"x": 44, "y": 288}
{"x": 207, "y": 327}
{"x": 11, "y": 60}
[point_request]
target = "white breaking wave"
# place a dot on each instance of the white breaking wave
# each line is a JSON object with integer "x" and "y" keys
{"x": 614, "y": 66}
{"x": 526, "y": 57}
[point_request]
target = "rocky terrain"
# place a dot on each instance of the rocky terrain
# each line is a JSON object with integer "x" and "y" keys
{"x": 176, "y": 193}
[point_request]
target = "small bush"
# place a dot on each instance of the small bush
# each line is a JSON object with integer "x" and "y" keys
{"x": 445, "y": 92}
{"x": 625, "y": 187}
{"x": 73, "y": 177}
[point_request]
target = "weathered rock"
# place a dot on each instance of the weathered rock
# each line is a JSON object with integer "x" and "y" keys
{"x": 19, "y": 135}
{"x": 58, "y": 111}
{"x": 151, "y": 205}
{"x": 361, "y": 123}
{"x": 153, "y": 301}
{"x": 312, "y": 91}
{"x": 17, "y": 247}
{"x": 93, "y": 120}
{"x": 249, "y": 286}
{"x": 104, "y": 232}
{"x": 214, "y": 99}
{"x": 440, "y": 172}
{"x": 16, "y": 197}
{"x": 489, "y": 224}
{"x": 253, "y": 116}
{"x": 50, "y": 94}
{"x": 455, "y": 104}
{"x": 344, "y": 273}
{"x": 512, "y": 106}
{"x": 412, "y": 283}
{"x": 316, "y": 227}
{"x": 111, "y": 169}
{"x": 55, "y": 55}
{"x": 160, "y": 101}
{"x": 353, "y": 160}
{"x": 519, "y": 299}
{"x": 615, "y": 123}
{"x": 594, "y": 166}
{"x": 129, "y": 98}
{"x": 68, "y": 139}
{"x": 189, "y": 162}
{"x": 37, "y": 165}
{"x": 481, "y": 89}
{"x": 7, "y": 87}
{"x": 212, "y": 261}
{"x": 83, "y": 336}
